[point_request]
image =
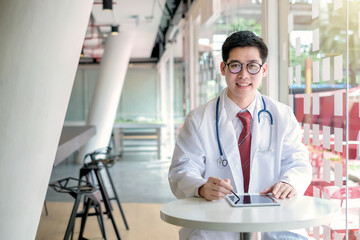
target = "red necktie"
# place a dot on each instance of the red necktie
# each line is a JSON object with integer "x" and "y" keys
{"x": 244, "y": 147}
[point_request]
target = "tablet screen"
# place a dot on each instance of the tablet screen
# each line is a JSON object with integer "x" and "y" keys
{"x": 251, "y": 200}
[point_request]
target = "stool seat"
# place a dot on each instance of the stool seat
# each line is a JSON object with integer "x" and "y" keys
{"x": 80, "y": 190}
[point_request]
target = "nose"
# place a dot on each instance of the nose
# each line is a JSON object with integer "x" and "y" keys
{"x": 243, "y": 73}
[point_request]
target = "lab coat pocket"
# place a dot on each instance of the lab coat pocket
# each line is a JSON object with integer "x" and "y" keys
{"x": 265, "y": 143}
{"x": 262, "y": 170}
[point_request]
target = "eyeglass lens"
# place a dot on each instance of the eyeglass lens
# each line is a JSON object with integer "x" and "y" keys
{"x": 252, "y": 68}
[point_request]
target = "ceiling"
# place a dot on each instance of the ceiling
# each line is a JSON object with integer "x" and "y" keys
{"x": 149, "y": 19}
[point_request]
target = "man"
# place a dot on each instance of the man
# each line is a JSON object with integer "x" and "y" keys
{"x": 240, "y": 141}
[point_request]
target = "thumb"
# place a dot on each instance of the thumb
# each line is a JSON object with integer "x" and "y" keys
{"x": 267, "y": 190}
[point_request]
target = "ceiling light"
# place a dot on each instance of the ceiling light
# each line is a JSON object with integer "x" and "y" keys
{"x": 115, "y": 30}
{"x": 107, "y": 5}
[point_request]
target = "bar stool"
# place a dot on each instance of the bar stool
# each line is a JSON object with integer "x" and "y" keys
{"x": 94, "y": 167}
{"x": 80, "y": 190}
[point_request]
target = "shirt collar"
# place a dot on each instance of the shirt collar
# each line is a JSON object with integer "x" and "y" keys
{"x": 233, "y": 109}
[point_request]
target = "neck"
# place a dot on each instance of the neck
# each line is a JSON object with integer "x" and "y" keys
{"x": 242, "y": 102}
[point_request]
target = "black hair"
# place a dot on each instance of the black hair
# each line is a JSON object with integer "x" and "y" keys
{"x": 244, "y": 39}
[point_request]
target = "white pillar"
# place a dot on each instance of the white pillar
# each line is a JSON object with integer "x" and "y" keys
{"x": 270, "y": 34}
{"x": 40, "y": 45}
{"x": 163, "y": 106}
{"x": 105, "y": 101}
{"x": 171, "y": 121}
{"x": 283, "y": 52}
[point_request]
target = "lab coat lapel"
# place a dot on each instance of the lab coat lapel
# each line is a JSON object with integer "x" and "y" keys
{"x": 229, "y": 145}
{"x": 255, "y": 128}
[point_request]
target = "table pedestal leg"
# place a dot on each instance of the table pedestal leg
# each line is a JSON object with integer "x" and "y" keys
{"x": 246, "y": 236}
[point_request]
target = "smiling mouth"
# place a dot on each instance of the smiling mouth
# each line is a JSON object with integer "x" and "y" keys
{"x": 243, "y": 84}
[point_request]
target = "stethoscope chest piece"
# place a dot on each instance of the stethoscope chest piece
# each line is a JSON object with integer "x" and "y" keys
{"x": 222, "y": 162}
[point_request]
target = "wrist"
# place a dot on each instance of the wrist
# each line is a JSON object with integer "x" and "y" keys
{"x": 200, "y": 191}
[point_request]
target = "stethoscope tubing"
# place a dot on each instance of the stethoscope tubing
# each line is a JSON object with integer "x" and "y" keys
{"x": 222, "y": 161}
{"x": 265, "y": 111}
{"x": 217, "y": 126}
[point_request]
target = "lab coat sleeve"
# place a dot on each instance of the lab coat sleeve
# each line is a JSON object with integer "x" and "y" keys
{"x": 188, "y": 161}
{"x": 295, "y": 164}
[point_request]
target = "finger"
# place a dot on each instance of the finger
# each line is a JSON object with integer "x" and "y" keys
{"x": 221, "y": 185}
{"x": 219, "y": 190}
{"x": 292, "y": 193}
{"x": 215, "y": 181}
{"x": 214, "y": 189}
{"x": 208, "y": 193}
{"x": 278, "y": 190}
{"x": 216, "y": 195}
{"x": 225, "y": 184}
{"x": 266, "y": 191}
{"x": 284, "y": 191}
{"x": 211, "y": 194}
{"x": 227, "y": 180}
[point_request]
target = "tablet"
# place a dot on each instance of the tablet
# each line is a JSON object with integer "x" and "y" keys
{"x": 251, "y": 200}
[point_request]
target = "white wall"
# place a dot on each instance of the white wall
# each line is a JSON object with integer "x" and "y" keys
{"x": 139, "y": 96}
{"x": 36, "y": 38}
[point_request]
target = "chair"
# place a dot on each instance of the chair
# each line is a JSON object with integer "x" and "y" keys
{"x": 353, "y": 219}
{"x": 81, "y": 191}
{"x": 339, "y": 193}
{"x": 318, "y": 183}
{"x": 94, "y": 167}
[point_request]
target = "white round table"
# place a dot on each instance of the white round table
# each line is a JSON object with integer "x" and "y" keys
{"x": 300, "y": 212}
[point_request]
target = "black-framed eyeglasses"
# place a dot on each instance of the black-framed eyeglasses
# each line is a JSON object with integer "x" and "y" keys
{"x": 236, "y": 67}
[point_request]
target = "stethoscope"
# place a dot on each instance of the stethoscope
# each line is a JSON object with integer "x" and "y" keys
{"x": 223, "y": 162}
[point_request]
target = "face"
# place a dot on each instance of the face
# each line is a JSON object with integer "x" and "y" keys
{"x": 242, "y": 86}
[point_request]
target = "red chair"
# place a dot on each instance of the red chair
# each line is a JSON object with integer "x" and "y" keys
{"x": 354, "y": 128}
{"x": 323, "y": 185}
{"x": 318, "y": 183}
{"x": 353, "y": 219}
{"x": 299, "y": 107}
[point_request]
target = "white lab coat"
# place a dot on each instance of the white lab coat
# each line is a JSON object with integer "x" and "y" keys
{"x": 196, "y": 154}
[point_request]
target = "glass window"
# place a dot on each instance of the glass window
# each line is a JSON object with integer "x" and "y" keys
{"x": 234, "y": 16}
{"x": 324, "y": 87}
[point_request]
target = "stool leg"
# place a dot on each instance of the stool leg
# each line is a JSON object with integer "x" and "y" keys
{"x": 70, "y": 227}
{"x": 116, "y": 197}
{"x": 106, "y": 201}
{"x": 107, "y": 194}
{"x": 100, "y": 218}
{"x": 84, "y": 217}
{"x": 46, "y": 210}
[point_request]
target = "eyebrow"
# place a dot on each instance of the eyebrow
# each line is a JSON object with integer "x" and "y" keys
{"x": 250, "y": 61}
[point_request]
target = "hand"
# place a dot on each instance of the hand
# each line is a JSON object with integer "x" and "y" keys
{"x": 215, "y": 188}
{"x": 281, "y": 190}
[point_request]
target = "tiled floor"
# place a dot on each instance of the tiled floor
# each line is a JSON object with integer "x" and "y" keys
{"x": 138, "y": 178}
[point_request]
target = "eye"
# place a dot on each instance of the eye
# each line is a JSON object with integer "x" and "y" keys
{"x": 253, "y": 66}
{"x": 235, "y": 65}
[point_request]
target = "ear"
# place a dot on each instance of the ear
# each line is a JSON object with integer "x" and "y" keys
{"x": 264, "y": 69}
{"x": 222, "y": 68}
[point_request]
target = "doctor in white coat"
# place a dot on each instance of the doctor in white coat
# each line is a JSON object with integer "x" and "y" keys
{"x": 279, "y": 162}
